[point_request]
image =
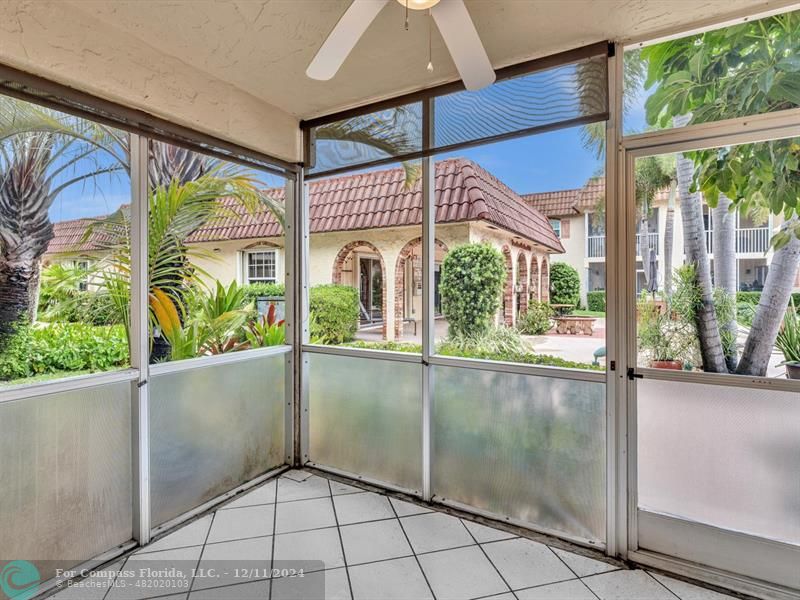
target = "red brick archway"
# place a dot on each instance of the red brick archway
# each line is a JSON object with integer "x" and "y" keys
{"x": 508, "y": 289}
{"x": 545, "y": 287}
{"x": 522, "y": 280}
{"x": 535, "y": 293}
{"x": 338, "y": 265}
{"x": 399, "y": 279}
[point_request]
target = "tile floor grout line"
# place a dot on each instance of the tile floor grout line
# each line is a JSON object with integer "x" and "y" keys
{"x": 114, "y": 580}
{"x": 274, "y": 529}
{"x": 341, "y": 541}
{"x": 408, "y": 541}
{"x": 571, "y": 570}
{"x": 661, "y": 584}
{"x": 494, "y": 566}
{"x": 202, "y": 551}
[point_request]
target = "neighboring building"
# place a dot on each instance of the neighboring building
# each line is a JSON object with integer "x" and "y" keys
{"x": 579, "y": 215}
{"x": 365, "y": 232}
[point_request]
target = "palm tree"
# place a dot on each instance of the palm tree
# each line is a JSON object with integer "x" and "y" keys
{"x": 42, "y": 153}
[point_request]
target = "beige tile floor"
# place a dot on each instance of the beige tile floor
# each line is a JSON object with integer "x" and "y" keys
{"x": 348, "y": 543}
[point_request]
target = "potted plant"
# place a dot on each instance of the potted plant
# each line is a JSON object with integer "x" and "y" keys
{"x": 788, "y": 342}
{"x": 661, "y": 339}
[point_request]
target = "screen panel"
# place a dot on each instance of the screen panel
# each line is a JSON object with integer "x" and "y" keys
{"x": 366, "y": 417}
{"x": 525, "y": 447}
{"x": 212, "y": 429}
{"x": 723, "y": 456}
{"x": 65, "y": 464}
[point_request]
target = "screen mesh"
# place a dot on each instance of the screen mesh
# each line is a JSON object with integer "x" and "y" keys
{"x": 572, "y": 93}
{"x": 545, "y": 98}
{"x": 366, "y": 138}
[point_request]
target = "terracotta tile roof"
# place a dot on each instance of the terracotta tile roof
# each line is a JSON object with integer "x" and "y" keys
{"x": 68, "y": 237}
{"x": 376, "y": 199}
{"x": 564, "y": 203}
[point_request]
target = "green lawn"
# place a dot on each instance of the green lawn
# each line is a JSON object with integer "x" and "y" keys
{"x": 588, "y": 313}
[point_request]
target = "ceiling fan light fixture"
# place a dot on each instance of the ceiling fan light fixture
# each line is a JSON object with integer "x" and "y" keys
{"x": 419, "y": 4}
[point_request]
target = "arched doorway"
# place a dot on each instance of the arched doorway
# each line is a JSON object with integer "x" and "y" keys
{"x": 544, "y": 293}
{"x": 534, "y": 281}
{"x": 360, "y": 264}
{"x": 522, "y": 284}
{"x": 508, "y": 289}
{"x": 408, "y": 284}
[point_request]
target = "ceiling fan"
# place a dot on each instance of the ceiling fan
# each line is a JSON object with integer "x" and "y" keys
{"x": 451, "y": 18}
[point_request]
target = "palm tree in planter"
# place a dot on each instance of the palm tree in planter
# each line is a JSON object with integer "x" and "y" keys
{"x": 738, "y": 71}
{"x": 42, "y": 153}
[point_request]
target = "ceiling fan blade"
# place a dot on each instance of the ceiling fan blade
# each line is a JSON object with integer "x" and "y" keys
{"x": 343, "y": 38}
{"x": 462, "y": 41}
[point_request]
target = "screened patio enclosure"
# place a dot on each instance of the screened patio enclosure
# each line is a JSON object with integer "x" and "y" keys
{"x": 685, "y": 470}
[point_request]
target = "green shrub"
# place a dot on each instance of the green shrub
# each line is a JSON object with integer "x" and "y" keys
{"x": 64, "y": 347}
{"x": 334, "y": 313}
{"x": 537, "y": 320}
{"x": 596, "y": 301}
{"x": 471, "y": 284}
{"x": 254, "y": 291}
{"x": 755, "y": 297}
{"x": 565, "y": 284}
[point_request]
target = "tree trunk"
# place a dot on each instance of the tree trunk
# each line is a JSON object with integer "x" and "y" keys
{"x": 644, "y": 248}
{"x": 669, "y": 236}
{"x": 694, "y": 241}
{"x": 723, "y": 243}
{"x": 771, "y": 308}
{"x": 18, "y": 282}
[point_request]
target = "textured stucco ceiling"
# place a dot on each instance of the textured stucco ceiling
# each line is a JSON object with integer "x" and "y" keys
{"x": 263, "y": 47}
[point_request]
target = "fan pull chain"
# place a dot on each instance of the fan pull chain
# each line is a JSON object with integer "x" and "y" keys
{"x": 406, "y": 15}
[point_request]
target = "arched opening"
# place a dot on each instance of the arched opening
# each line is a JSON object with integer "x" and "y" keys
{"x": 544, "y": 293}
{"x": 521, "y": 288}
{"x": 408, "y": 285}
{"x": 360, "y": 264}
{"x": 508, "y": 289}
{"x": 534, "y": 280}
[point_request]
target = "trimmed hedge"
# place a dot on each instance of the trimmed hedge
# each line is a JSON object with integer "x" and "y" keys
{"x": 334, "y": 313}
{"x": 254, "y": 291}
{"x": 565, "y": 284}
{"x": 596, "y": 300}
{"x": 471, "y": 286}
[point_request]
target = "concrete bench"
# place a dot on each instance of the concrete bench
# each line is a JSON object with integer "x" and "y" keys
{"x": 575, "y": 325}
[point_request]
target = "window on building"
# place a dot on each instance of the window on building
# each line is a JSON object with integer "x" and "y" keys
{"x": 556, "y": 225}
{"x": 82, "y": 265}
{"x": 260, "y": 266}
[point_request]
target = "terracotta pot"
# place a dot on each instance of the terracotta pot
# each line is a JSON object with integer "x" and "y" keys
{"x": 675, "y": 365}
{"x": 793, "y": 371}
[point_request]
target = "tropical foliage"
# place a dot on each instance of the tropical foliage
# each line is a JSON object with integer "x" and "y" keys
{"x": 537, "y": 320}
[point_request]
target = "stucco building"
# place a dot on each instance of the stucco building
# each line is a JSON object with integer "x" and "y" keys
{"x": 365, "y": 232}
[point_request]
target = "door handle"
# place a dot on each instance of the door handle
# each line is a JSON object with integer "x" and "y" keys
{"x": 632, "y": 374}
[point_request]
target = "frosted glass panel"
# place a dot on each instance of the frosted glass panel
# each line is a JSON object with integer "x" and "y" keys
{"x": 213, "y": 429}
{"x": 65, "y": 473}
{"x": 723, "y": 456}
{"x": 529, "y": 448}
{"x": 365, "y": 417}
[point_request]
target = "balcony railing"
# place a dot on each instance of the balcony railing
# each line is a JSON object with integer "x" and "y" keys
{"x": 749, "y": 240}
{"x": 596, "y": 246}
